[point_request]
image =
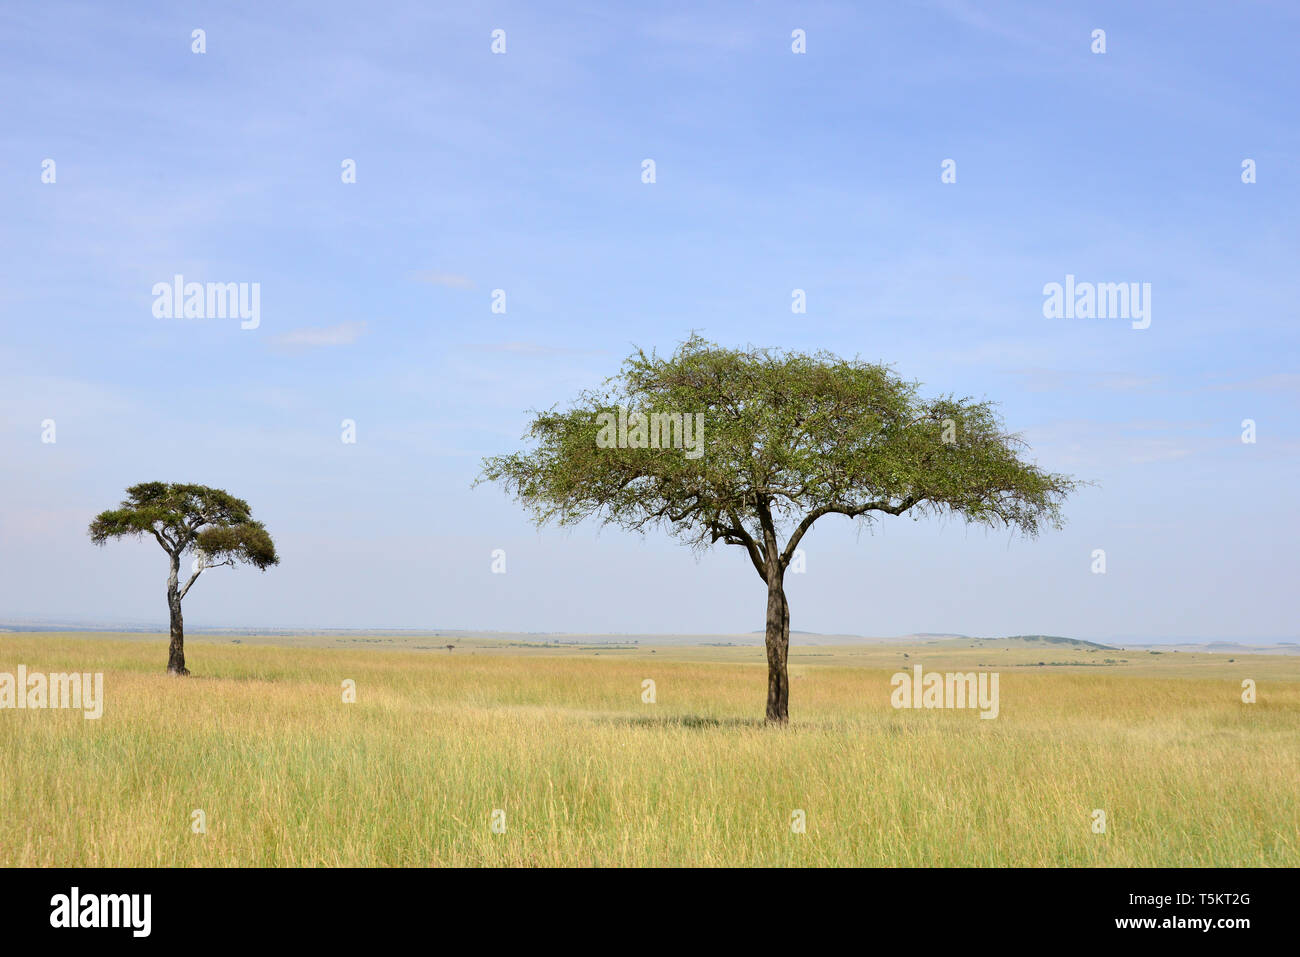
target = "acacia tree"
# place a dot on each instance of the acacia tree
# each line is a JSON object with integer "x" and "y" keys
{"x": 214, "y": 526}
{"x": 788, "y": 438}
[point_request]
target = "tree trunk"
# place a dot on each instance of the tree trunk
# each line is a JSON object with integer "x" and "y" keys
{"x": 176, "y": 651}
{"x": 778, "y": 647}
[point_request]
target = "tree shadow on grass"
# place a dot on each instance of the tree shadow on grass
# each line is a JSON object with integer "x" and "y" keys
{"x": 708, "y": 723}
{"x": 683, "y": 721}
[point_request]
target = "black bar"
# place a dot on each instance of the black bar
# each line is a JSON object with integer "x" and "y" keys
{"x": 928, "y": 907}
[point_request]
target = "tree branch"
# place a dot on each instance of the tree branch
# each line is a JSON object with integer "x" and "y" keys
{"x": 744, "y": 538}
{"x": 201, "y": 569}
{"x": 851, "y": 512}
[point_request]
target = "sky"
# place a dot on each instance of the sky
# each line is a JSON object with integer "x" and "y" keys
{"x": 523, "y": 171}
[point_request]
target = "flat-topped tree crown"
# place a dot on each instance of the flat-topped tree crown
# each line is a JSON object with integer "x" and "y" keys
{"x": 780, "y": 439}
{"x": 208, "y": 522}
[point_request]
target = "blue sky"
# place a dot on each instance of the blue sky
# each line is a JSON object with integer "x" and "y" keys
{"x": 522, "y": 172}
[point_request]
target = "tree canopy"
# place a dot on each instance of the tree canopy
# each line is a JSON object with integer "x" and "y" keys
{"x": 187, "y": 518}
{"x": 782, "y": 440}
{"x": 786, "y": 435}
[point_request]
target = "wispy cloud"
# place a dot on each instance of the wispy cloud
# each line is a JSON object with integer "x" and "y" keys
{"x": 1096, "y": 443}
{"x": 342, "y": 334}
{"x": 1044, "y": 379}
{"x": 531, "y": 349}
{"x": 448, "y": 279}
{"x": 1272, "y": 382}
{"x": 972, "y": 16}
{"x": 1050, "y": 380}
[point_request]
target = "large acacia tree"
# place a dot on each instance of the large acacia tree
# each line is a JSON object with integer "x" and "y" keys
{"x": 214, "y": 526}
{"x": 788, "y": 438}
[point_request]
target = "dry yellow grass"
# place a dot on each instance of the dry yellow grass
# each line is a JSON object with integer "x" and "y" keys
{"x": 287, "y": 774}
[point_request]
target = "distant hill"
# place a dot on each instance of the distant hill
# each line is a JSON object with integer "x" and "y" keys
{"x": 1056, "y": 640}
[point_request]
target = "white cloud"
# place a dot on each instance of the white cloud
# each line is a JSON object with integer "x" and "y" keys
{"x": 342, "y": 334}
{"x": 531, "y": 349}
{"x": 450, "y": 280}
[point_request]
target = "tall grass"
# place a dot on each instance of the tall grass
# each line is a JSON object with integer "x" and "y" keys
{"x": 287, "y": 774}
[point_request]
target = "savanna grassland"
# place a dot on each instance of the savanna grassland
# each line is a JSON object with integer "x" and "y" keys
{"x": 286, "y": 773}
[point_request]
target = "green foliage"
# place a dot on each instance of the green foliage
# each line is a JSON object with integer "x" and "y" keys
{"x": 188, "y": 517}
{"x": 788, "y": 437}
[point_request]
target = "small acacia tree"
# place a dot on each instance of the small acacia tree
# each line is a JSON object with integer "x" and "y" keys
{"x": 217, "y": 528}
{"x": 787, "y": 439}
